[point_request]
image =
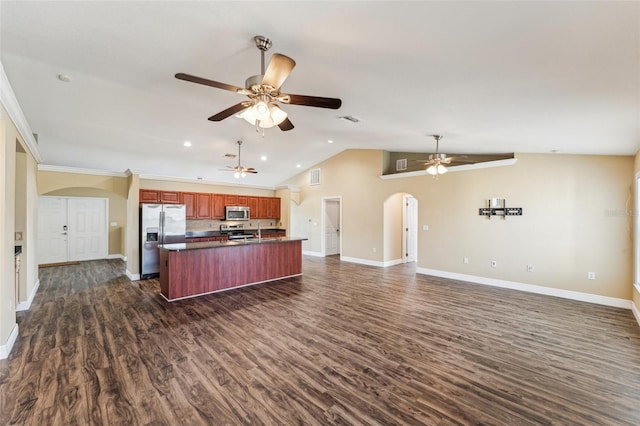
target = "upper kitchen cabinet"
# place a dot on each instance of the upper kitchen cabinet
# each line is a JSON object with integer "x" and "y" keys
{"x": 217, "y": 206}
{"x": 169, "y": 197}
{"x": 242, "y": 200}
{"x": 252, "y": 203}
{"x": 149, "y": 196}
{"x": 274, "y": 208}
{"x": 230, "y": 200}
{"x": 189, "y": 200}
{"x": 203, "y": 206}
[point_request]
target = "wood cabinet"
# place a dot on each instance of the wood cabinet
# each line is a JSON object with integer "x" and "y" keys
{"x": 189, "y": 201}
{"x": 149, "y": 196}
{"x": 274, "y": 208}
{"x": 217, "y": 206}
{"x": 170, "y": 197}
{"x": 203, "y": 206}
{"x": 200, "y": 205}
{"x": 252, "y": 203}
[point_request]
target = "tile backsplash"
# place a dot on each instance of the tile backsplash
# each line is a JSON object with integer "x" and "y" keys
{"x": 197, "y": 225}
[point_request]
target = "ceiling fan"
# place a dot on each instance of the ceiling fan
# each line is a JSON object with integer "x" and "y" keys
{"x": 239, "y": 171}
{"x": 437, "y": 161}
{"x": 263, "y": 91}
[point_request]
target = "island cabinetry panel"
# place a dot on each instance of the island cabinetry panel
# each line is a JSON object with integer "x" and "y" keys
{"x": 217, "y": 206}
{"x": 189, "y": 201}
{"x": 203, "y": 206}
{"x": 187, "y": 273}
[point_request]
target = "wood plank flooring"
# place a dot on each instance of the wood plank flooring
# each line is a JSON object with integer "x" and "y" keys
{"x": 342, "y": 344}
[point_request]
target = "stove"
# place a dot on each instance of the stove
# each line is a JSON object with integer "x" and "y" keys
{"x": 235, "y": 232}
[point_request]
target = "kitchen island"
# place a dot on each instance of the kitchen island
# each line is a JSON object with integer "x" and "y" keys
{"x": 194, "y": 269}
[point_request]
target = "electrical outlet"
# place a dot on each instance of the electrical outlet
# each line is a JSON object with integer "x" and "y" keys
{"x": 374, "y": 249}
{"x": 494, "y": 264}
{"x": 425, "y": 227}
{"x": 530, "y": 268}
{"x": 465, "y": 260}
{"x": 591, "y": 275}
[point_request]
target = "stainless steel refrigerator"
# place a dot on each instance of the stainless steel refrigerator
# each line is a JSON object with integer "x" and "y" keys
{"x": 159, "y": 224}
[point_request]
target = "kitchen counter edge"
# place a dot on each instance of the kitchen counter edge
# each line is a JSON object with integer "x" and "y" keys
{"x": 222, "y": 244}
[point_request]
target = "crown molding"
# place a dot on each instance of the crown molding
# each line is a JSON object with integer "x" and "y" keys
{"x": 202, "y": 181}
{"x": 11, "y": 105}
{"x": 65, "y": 169}
{"x": 483, "y": 165}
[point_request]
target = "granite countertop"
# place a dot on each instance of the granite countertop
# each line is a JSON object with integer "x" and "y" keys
{"x": 221, "y": 244}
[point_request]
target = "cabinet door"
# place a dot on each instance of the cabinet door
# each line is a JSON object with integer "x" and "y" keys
{"x": 242, "y": 200}
{"x": 252, "y": 202}
{"x": 149, "y": 196}
{"x": 170, "y": 197}
{"x": 203, "y": 206}
{"x": 264, "y": 206}
{"x": 274, "y": 210}
{"x": 217, "y": 206}
{"x": 189, "y": 201}
{"x": 230, "y": 200}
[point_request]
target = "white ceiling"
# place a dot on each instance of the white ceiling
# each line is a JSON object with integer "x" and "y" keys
{"x": 525, "y": 77}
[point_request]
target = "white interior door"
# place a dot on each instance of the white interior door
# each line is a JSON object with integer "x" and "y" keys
{"x": 87, "y": 228}
{"x": 72, "y": 229}
{"x": 332, "y": 227}
{"x": 410, "y": 229}
{"x": 52, "y": 234}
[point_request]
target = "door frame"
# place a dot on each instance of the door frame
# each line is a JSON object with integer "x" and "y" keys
{"x": 404, "y": 228}
{"x": 106, "y": 217}
{"x": 323, "y": 224}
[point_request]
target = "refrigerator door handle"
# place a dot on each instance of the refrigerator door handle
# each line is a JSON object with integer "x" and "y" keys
{"x": 161, "y": 228}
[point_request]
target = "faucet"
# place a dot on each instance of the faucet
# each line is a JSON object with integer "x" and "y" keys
{"x": 259, "y": 233}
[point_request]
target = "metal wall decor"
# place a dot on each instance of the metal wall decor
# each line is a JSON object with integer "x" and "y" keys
{"x": 497, "y": 207}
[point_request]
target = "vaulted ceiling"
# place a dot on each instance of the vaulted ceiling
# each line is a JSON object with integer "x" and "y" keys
{"x": 530, "y": 77}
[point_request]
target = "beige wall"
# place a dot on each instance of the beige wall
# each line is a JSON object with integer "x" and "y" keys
{"x": 393, "y": 214}
{"x": 574, "y": 218}
{"x": 634, "y": 210}
{"x": 49, "y": 181}
{"x": 17, "y": 174}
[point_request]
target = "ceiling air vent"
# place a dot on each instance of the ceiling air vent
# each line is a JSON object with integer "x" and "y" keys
{"x": 314, "y": 177}
{"x": 401, "y": 164}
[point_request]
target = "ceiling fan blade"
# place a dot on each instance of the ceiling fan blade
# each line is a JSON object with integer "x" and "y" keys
{"x": 207, "y": 82}
{"x": 251, "y": 171}
{"x": 228, "y": 112}
{"x": 278, "y": 70}
{"x": 286, "y": 125}
{"x": 313, "y": 101}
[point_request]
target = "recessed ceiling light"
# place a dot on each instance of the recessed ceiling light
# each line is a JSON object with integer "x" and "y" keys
{"x": 298, "y": 165}
{"x": 263, "y": 158}
{"x": 64, "y": 77}
{"x": 187, "y": 144}
{"x": 330, "y": 141}
{"x": 555, "y": 151}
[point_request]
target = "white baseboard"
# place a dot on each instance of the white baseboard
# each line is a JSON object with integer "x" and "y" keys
{"x": 132, "y": 277}
{"x": 117, "y": 256}
{"x": 24, "y": 306}
{"x": 362, "y": 261}
{"x": 391, "y": 262}
{"x": 636, "y": 312}
{"x": 5, "y": 349}
{"x": 566, "y": 294}
{"x": 312, "y": 253}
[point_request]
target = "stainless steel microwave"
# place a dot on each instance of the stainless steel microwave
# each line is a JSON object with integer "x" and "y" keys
{"x": 236, "y": 213}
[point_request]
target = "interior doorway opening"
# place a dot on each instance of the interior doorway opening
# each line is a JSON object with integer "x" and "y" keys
{"x": 400, "y": 229}
{"x": 331, "y": 241}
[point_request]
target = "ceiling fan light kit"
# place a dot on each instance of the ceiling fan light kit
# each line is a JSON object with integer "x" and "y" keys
{"x": 436, "y": 166}
{"x": 263, "y": 91}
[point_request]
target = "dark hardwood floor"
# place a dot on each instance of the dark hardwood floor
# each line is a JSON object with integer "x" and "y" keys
{"x": 343, "y": 344}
